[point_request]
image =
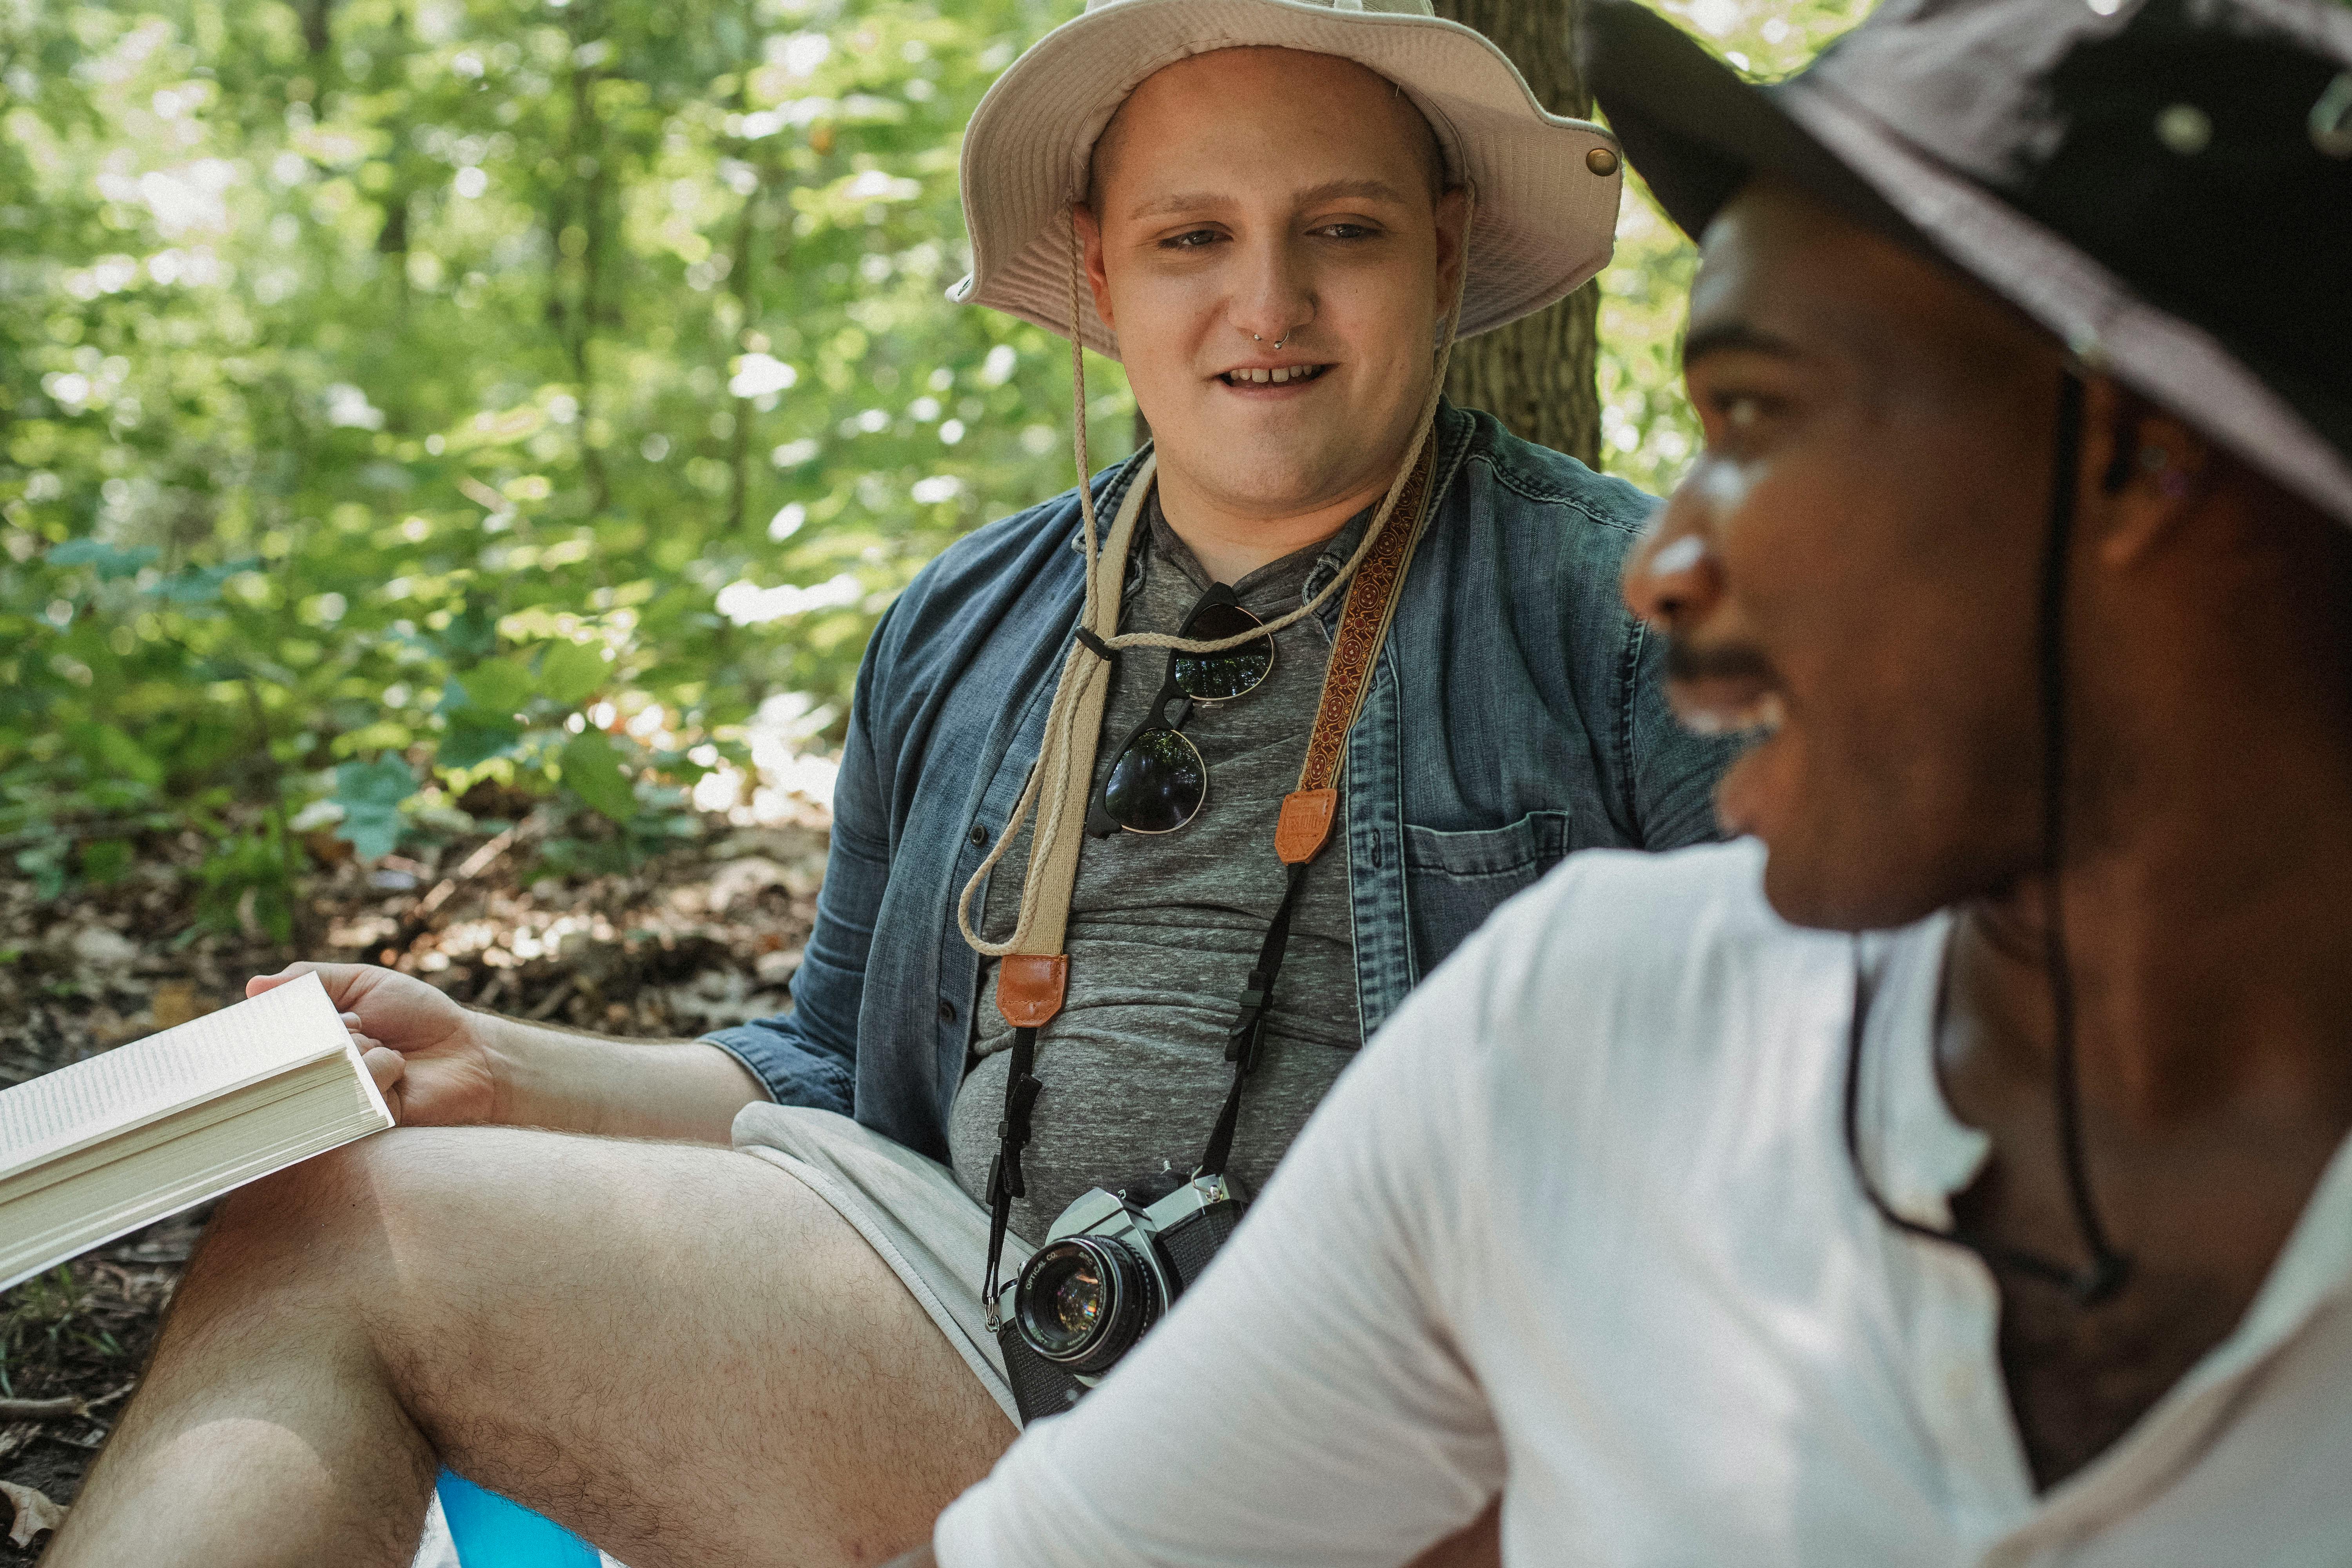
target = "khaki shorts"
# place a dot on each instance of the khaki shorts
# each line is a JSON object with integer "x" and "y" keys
{"x": 909, "y": 1210}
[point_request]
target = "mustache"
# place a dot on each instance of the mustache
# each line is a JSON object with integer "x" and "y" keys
{"x": 1686, "y": 660}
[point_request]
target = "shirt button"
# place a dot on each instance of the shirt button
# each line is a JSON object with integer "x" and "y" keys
{"x": 978, "y": 834}
{"x": 947, "y": 1012}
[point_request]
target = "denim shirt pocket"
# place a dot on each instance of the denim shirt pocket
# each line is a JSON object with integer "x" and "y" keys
{"x": 1454, "y": 880}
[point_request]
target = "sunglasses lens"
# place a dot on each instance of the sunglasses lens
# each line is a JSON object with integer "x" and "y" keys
{"x": 1157, "y": 784}
{"x": 1216, "y": 676}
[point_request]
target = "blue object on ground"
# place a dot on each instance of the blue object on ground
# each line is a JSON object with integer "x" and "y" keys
{"x": 492, "y": 1531}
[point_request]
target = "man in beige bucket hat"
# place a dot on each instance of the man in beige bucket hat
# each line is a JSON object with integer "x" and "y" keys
{"x": 1405, "y": 688}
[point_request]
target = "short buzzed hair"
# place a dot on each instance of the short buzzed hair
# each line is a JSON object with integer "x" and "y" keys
{"x": 1432, "y": 153}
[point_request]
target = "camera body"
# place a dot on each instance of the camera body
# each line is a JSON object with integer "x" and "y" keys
{"x": 1107, "y": 1271}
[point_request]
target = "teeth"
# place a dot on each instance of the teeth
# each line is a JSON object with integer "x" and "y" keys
{"x": 1278, "y": 377}
{"x": 1759, "y": 720}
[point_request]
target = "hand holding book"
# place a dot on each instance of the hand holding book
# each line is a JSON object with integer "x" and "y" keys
{"x": 439, "y": 1063}
{"x": 429, "y": 1056}
{"x": 105, "y": 1145}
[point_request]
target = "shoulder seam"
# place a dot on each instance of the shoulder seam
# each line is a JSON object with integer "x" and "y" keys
{"x": 1510, "y": 477}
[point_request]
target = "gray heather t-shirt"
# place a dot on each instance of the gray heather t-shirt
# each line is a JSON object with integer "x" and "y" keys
{"x": 1164, "y": 929}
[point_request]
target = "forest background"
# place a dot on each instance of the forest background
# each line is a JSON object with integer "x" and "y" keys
{"x": 415, "y": 414}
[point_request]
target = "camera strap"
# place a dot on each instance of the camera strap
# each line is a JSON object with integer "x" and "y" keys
{"x": 1304, "y": 828}
{"x": 1029, "y": 986}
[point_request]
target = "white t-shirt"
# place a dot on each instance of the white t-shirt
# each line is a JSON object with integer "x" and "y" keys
{"x": 1580, "y": 1227}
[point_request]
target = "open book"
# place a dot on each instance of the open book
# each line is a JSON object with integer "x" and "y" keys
{"x": 102, "y": 1147}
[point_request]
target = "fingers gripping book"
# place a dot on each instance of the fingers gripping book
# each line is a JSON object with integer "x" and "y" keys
{"x": 102, "y": 1147}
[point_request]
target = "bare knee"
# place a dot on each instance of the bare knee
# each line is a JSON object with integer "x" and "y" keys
{"x": 328, "y": 1229}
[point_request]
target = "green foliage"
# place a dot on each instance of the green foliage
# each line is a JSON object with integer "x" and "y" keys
{"x": 397, "y": 394}
{"x": 402, "y": 396}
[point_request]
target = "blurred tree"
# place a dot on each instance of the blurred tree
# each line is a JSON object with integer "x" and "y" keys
{"x": 1537, "y": 375}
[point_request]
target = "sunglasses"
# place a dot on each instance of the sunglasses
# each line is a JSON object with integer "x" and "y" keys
{"x": 1160, "y": 782}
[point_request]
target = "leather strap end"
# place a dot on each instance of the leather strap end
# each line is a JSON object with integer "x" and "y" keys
{"x": 1304, "y": 827}
{"x": 1029, "y": 987}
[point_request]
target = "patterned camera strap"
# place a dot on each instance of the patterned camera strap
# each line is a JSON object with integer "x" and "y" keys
{"x": 1030, "y": 987}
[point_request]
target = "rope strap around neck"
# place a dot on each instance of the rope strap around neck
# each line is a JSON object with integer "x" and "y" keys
{"x": 1029, "y": 986}
{"x": 1053, "y": 863}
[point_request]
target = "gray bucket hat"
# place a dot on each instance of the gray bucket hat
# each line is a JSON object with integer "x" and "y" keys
{"x": 1546, "y": 213}
{"x": 2165, "y": 184}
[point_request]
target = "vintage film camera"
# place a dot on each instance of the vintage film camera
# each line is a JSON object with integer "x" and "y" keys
{"x": 1107, "y": 1272}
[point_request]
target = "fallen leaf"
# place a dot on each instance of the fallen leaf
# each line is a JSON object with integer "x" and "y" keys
{"x": 34, "y": 1512}
{"x": 103, "y": 949}
{"x": 176, "y": 1003}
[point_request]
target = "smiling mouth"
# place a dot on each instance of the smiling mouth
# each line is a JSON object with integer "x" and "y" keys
{"x": 1727, "y": 707}
{"x": 1271, "y": 375}
{"x": 1723, "y": 690}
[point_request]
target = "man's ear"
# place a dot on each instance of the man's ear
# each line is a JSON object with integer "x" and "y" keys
{"x": 1091, "y": 248}
{"x": 1453, "y": 213}
{"x": 2148, "y": 471}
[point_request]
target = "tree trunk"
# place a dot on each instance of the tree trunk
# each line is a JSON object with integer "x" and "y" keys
{"x": 1536, "y": 375}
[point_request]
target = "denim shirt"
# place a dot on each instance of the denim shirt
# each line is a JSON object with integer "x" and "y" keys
{"x": 1513, "y": 715}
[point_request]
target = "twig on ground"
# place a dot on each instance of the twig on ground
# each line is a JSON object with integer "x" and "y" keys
{"x": 554, "y": 999}
{"x": 109, "y": 1397}
{"x": 412, "y": 925}
{"x": 39, "y": 1409}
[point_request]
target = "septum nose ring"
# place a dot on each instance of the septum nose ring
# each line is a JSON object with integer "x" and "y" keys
{"x": 1277, "y": 342}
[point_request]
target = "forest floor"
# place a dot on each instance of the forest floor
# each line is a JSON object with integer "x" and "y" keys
{"x": 704, "y": 936}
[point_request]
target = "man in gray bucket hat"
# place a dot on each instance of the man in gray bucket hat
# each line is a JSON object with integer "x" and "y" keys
{"x": 1279, "y": 213}
{"x": 1955, "y": 1171}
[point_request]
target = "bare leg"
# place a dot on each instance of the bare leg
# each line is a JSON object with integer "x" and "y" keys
{"x": 679, "y": 1352}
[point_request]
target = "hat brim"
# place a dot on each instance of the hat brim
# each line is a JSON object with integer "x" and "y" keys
{"x": 1544, "y": 221}
{"x": 1696, "y": 133}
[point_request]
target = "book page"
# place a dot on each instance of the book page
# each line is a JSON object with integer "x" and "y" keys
{"x": 208, "y": 1056}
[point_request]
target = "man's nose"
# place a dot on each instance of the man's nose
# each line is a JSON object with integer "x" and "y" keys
{"x": 1272, "y": 295}
{"x": 1672, "y": 577}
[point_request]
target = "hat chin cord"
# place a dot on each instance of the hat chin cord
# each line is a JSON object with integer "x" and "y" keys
{"x": 1088, "y": 659}
{"x": 2107, "y": 1271}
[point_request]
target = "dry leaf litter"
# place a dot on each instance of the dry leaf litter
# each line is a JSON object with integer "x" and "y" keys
{"x": 702, "y": 937}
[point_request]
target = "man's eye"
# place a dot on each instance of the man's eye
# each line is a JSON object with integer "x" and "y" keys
{"x": 1192, "y": 239}
{"x": 1740, "y": 411}
{"x": 1345, "y": 231}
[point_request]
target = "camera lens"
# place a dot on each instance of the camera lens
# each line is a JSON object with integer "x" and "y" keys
{"x": 1082, "y": 1300}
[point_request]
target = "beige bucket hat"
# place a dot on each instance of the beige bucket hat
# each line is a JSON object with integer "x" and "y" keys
{"x": 1546, "y": 212}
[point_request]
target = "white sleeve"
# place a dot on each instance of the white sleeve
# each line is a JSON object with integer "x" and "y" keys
{"x": 1303, "y": 1404}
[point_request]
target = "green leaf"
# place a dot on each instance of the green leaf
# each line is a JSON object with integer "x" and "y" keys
{"x": 105, "y": 861}
{"x": 371, "y": 831}
{"x": 384, "y": 782}
{"x": 45, "y": 863}
{"x": 201, "y": 586}
{"x": 108, "y": 560}
{"x": 496, "y": 686}
{"x": 570, "y": 672}
{"x": 592, "y": 770}
{"x": 470, "y": 739}
{"x": 471, "y": 634}
{"x": 114, "y": 752}
{"x": 370, "y": 795}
